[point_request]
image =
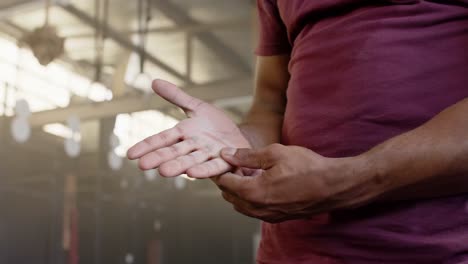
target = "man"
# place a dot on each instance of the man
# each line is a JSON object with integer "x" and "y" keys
{"x": 368, "y": 101}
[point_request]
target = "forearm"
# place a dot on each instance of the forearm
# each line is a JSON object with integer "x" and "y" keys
{"x": 427, "y": 162}
{"x": 263, "y": 123}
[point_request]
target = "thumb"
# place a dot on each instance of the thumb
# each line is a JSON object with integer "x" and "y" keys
{"x": 176, "y": 96}
{"x": 249, "y": 158}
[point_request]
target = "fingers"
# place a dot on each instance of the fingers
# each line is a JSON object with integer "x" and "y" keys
{"x": 176, "y": 96}
{"x": 182, "y": 164}
{"x": 161, "y": 140}
{"x": 253, "y": 159}
{"x": 208, "y": 169}
{"x": 261, "y": 212}
{"x": 156, "y": 158}
{"x": 241, "y": 206}
{"x": 244, "y": 187}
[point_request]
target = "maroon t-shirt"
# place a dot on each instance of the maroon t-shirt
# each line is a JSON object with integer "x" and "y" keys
{"x": 363, "y": 71}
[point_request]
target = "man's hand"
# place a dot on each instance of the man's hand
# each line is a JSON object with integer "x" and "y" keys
{"x": 193, "y": 145}
{"x": 295, "y": 183}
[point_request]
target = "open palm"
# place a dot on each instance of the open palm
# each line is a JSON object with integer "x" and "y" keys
{"x": 193, "y": 146}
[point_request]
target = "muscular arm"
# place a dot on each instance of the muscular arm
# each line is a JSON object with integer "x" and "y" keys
{"x": 295, "y": 182}
{"x": 427, "y": 162}
{"x": 430, "y": 161}
{"x": 262, "y": 125}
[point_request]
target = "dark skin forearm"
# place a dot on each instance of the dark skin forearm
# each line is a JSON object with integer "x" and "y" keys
{"x": 427, "y": 162}
{"x": 295, "y": 182}
{"x": 262, "y": 125}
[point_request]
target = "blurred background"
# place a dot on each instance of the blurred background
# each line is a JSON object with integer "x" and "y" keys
{"x": 75, "y": 95}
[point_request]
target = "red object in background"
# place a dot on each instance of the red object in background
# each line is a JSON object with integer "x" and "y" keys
{"x": 70, "y": 220}
{"x": 154, "y": 251}
{"x": 73, "y": 257}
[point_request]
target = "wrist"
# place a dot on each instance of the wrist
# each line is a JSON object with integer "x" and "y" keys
{"x": 246, "y": 133}
{"x": 262, "y": 133}
{"x": 373, "y": 174}
{"x": 358, "y": 180}
{"x": 253, "y": 135}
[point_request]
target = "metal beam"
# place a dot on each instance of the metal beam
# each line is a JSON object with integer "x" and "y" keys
{"x": 17, "y": 32}
{"x": 180, "y": 17}
{"x": 19, "y": 7}
{"x": 172, "y": 11}
{"x": 210, "y": 92}
{"x": 239, "y": 24}
{"x": 121, "y": 39}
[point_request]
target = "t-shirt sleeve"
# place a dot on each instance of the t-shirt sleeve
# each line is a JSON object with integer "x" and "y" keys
{"x": 273, "y": 39}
